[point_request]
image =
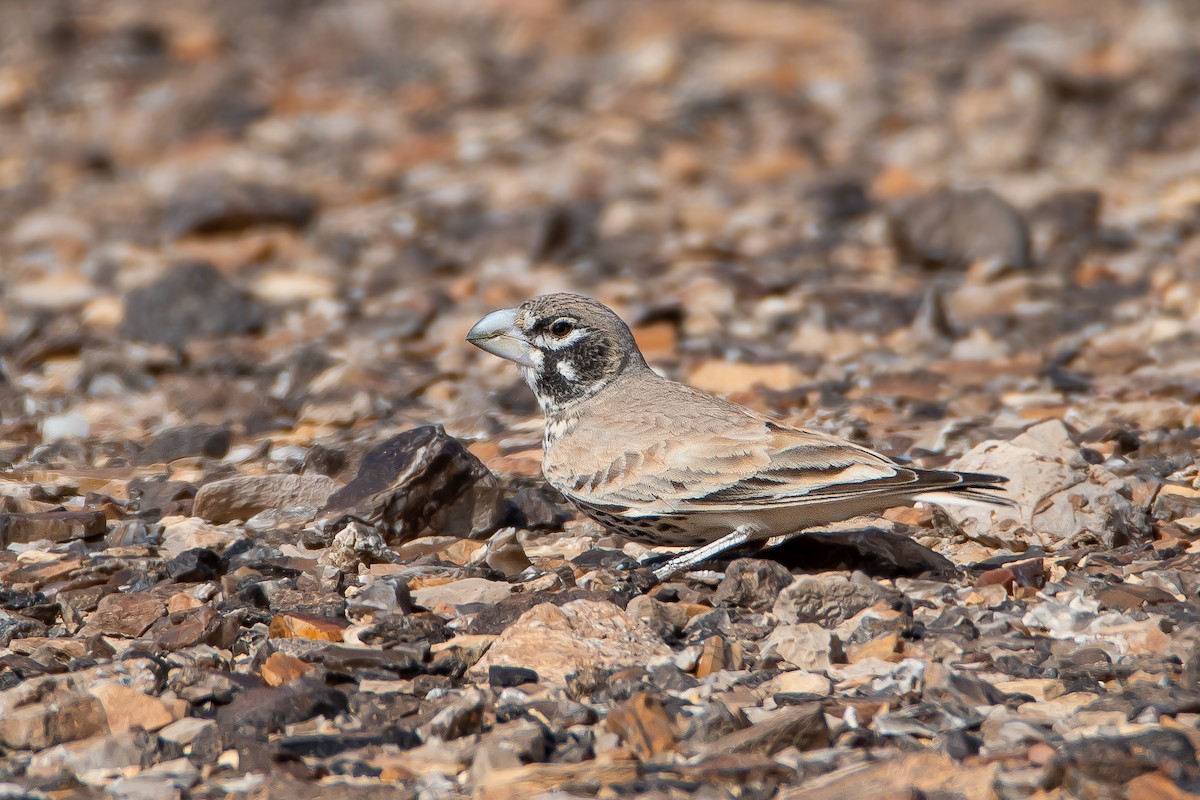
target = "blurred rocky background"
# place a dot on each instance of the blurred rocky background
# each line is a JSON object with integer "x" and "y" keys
{"x": 271, "y": 525}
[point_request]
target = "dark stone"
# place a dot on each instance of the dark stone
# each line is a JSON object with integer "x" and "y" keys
{"x": 503, "y": 677}
{"x": 260, "y": 712}
{"x": 323, "y": 460}
{"x": 1118, "y": 760}
{"x": 838, "y": 200}
{"x": 203, "y": 625}
{"x": 151, "y": 494}
{"x": 540, "y": 508}
{"x": 404, "y": 629}
{"x": 403, "y": 660}
{"x": 422, "y": 481}
{"x": 194, "y": 566}
{"x": 751, "y": 583}
{"x": 955, "y": 227}
{"x": 565, "y": 231}
{"x": 192, "y": 301}
{"x": 214, "y": 203}
{"x": 55, "y": 526}
{"x": 604, "y": 558}
{"x": 210, "y": 441}
{"x": 958, "y": 744}
{"x": 14, "y": 626}
{"x": 324, "y": 745}
{"x": 802, "y": 727}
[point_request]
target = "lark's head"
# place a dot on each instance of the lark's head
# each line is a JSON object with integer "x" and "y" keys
{"x": 568, "y": 347}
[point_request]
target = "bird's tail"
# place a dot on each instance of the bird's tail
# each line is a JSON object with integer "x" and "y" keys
{"x": 972, "y": 489}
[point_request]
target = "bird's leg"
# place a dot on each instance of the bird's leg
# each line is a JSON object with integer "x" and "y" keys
{"x": 739, "y": 536}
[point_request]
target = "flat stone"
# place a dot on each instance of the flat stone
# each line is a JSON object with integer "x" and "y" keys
{"x": 261, "y": 712}
{"x": 925, "y": 773}
{"x": 555, "y": 641}
{"x": 296, "y": 625}
{"x": 54, "y": 526}
{"x": 242, "y": 497}
{"x": 99, "y": 754}
{"x": 802, "y": 727}
{"x": 128, "y": 615}
{"x": 71, "y": 716}
{"x": 462, "y": 592}
{"x": 1061, "y": 500}
{"x": 209, "y": 441}
{"x": 279, "y": 669}
{"x": 532, "y": 780}
{"x": 126, "y": 708}
{"x": 805, "y": 646}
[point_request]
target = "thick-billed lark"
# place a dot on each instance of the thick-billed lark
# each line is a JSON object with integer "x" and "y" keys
{"x": 663, "y": 464}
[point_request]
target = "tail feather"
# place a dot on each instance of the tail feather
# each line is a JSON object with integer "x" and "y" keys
{"x": 972, "y": 489}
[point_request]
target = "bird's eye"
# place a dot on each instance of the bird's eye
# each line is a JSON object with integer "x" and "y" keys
{"x": 561, "y": 327}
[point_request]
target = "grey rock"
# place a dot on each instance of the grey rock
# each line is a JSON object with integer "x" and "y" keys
{"x": 210, "y": 441}
{"x": 1061, "y": 500}
{"x": 133, "y": 748}
{"x": 244, "y": 496}
{"x": 197, "y": 739}
{"x": 955, "y": 227}
{"x": 192, "y": 301}
{"x": 752, "y": 583}
{"x": 827, "y": 600}
{"x": 215, "y": 203}
{"x": 805, "y": 646}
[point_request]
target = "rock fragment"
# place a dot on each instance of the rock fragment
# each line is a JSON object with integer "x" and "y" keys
{"x": 422, "y": 481}
{"x": 752, "y": 583}
{"x": 244, "y": 496}
{"x": 1060, "y": 499}
{"x": 191, "y": 301}
{"x": 826, "y": 599}
{"x": 210, "y": 441}
{"x": 955, "y": 228}
{"x": 555, "y": 641}
{"x": 213, "y": 203}
{"x": 53, "y": 526}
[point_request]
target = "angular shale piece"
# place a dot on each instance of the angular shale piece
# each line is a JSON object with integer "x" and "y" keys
{"x": 422, "y": 481}
{"x": 1061, "y": 499}
{"x": 55, "y": 526}
{"x": 246, "y": 495}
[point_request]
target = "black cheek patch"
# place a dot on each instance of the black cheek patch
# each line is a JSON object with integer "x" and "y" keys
{"x": 590, "y": 360}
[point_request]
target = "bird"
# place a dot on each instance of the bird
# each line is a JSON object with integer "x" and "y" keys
{"x": 663, "y": 464}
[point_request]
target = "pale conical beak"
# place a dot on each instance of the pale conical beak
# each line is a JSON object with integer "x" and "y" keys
{"x": 498, "y": 334}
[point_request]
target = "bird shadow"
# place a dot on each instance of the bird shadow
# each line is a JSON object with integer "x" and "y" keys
{"x": 877, "y": 552}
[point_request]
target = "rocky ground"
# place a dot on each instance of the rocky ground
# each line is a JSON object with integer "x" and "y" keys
{"x": 271, "y": 527}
